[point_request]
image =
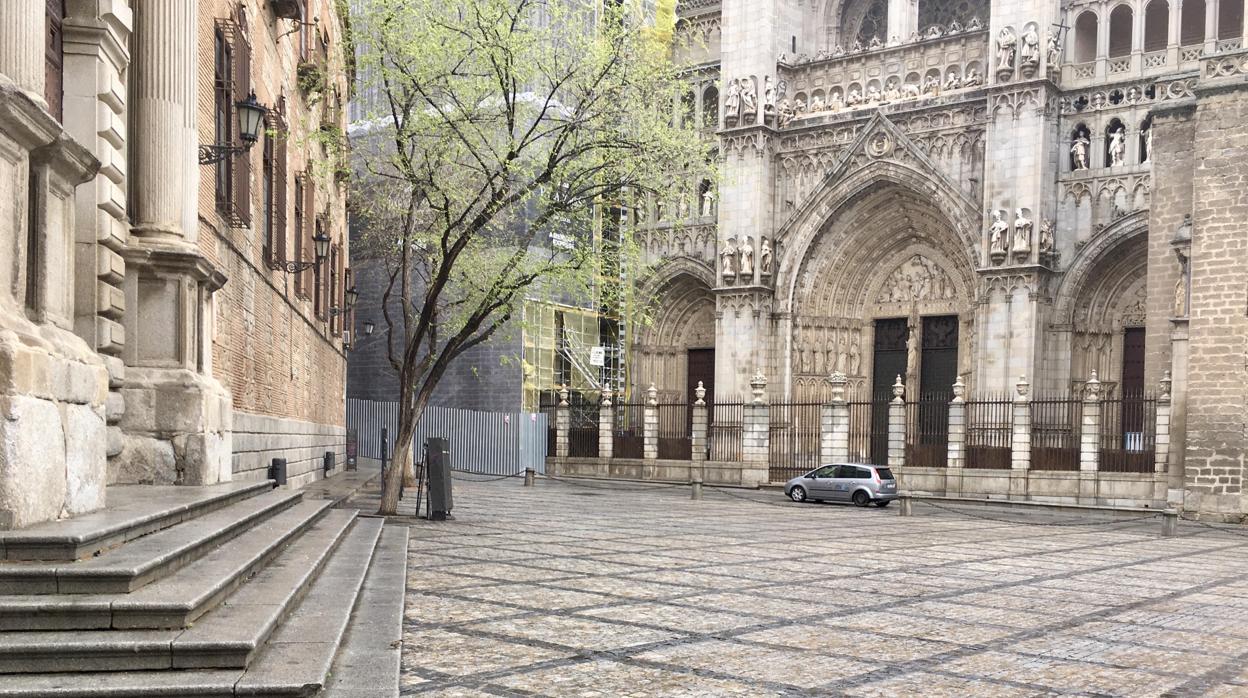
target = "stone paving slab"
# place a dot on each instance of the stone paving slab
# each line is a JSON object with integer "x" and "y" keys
{"x": 545, "y": 592}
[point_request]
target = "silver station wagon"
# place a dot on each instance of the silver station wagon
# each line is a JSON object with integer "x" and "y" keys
{"x": 845, "y": 482}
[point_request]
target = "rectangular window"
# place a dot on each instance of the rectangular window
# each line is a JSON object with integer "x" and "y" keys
{"x": 231, "y": 84}
{"x": 34, "y": 251}
{"x": 223, "y": 126}
{"x": 268, "y": 194}
{"x": 305, "y": 233}
{"x": 54, "y": 59}
{"x": 318, "y": 279}
{"x": 335, "y": 298}
{"x": 299, "y": 222}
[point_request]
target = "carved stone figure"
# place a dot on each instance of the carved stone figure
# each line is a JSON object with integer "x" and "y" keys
{"x": 749, "y": 99}
{"x": 952, "y": 81}
{"x": 997, "y": 232}
{"x": 931, "y": 85}
{"x": 764, "y": 258}
{"x": 1117, "y": 147}
{"x": 914, "y": 37}
{"x": 682, "y": 207}
{"x": 821, "y": 54}
{"x": 972, "y": 79}
{"x": 747, "y": 257}
{"x": 783, "y": 58}
{"x": 1053, "y": 49}
{"x": 1148, "y": 145}
{"x": 893, "y": 91}
{"x": 853, "y": 99}
{"x": 1007, "y": 44}
{"x": 1029, "y": 51}
{"x": 912, "y": 351}
{"x": 1180, "y": 284}
{"x": 817, "y": 105}
{"x": 855, "y": 356}
{"x": 873, "y": 95}
{"x": 732, "y": 101}
{"x": 1022, "y": 233}
{"x": 1079, "y": 152}
{"x": 838, "y": 51}
{"x": 835, "y": 103}
{"x": 1047, "y": 240}
{"x": 769, "y": 97}
{"x": 728, "y": 258}
{"x": 911, "y": 90}
{"x": 786, "y": 113}
{"x": 708, "y": 202}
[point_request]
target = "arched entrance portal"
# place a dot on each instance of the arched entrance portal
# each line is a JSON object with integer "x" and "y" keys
{"x": 677, "y": 348}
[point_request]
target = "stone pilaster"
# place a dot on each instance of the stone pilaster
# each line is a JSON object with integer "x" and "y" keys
{"x": 897, "y": 426}
{"x": 650, "y": 425}
{"x": 606, "y": 426}
{"x": 563, "y": 424}
{"x": 699, "y": 423}
{"x": 834, "y": 424}
{"x": 1162, "y": 444}
{"x": 21, "y": 45}
{"x": 1090, "y": 429}
{"x": 957, "y": 427}
{"x": 1178, "y": 414}
{"x": 756, "y": 435}
{"x": 1020, "y": 440}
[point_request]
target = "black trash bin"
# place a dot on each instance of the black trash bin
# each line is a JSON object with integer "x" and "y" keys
{"x": 438, "y": 458}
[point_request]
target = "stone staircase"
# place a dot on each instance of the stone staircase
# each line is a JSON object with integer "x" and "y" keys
{"x": 228, "y": 590}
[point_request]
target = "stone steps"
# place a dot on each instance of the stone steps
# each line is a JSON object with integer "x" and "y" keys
{"x": 133, "y": 511}
{"x": 226, "y": 637}
{"x": 145, "y": 559}
{"x": 365, "y": 574}
{"x": 176, "y": 600}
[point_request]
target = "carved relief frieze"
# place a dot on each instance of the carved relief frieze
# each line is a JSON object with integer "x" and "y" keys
{"x": 1121, "y": 97}
{"x": 696, "y": 241}
{"x": 822, "y": 345}
{"x": 1014, "y": 102}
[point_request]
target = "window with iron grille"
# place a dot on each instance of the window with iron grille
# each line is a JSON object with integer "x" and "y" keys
{"x": 335, "y": 301}
{"x": 298, "y": 232}
{"x": 273, "y": 235}
{"x": 231, "y": 84}
{"x": 54, "y": 59}
{"x": 318, "y": 277}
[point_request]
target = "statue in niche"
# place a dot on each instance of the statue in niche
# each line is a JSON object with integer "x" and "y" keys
{"x": 972, "y": 79}
{"x": 749, "y": 99}
{"x": 834, "y": 103}
{"x": 747, "y": 257}
{"x": 708, "y": 202}
{"x": 1079, "y": 152}
{"x": 682, "y": 206}
{"x": 996, "y": 234}
{"x": 1029, "y": 51}
{"x": 953, "y": 82}
{"x": 1180, "y": 284}
{"x": 1117, "y": 147}
{"x": 873, "y": 95}
{"x": 1047, "y": 238}
{"x": 1054, "y": 49}
{"x": 1148, "y": 145}
{"x": 855, "y": 356}
{"x": 1133, "y": 95}
{"x": 893, "y": 91}
{"x": 732, "y": 102}
{"x": 1022, "y": 233}
{"x": 853, "y": 99}
{"x": 764, "y": 258}
{"x": 816, "y": 105}
{"x": 1007, "y": 44}
{"x": 769, "y": 97}
{"x": 728, "y": 258}
{"x": 842, "y": 355}
{"x": 931, "y": 85}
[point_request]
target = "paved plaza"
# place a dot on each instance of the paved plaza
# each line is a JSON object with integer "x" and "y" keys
{"x": 598, "y": 589}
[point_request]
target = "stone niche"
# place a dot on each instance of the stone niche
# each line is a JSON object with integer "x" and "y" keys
{"x": 52, "y": 386}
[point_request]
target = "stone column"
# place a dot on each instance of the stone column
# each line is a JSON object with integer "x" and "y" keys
{"x": 756, "y": 435}
{"x": 563, "y": 424}
{"x": 1090, "y": 429}
{"x": 21, "y": 45}
{"x": 1178, "y": 414}
{"x": 1020, "y": 442}
{"x": 1162, "y": 444}
{"x": 834, "y": 424}
{"x": 897, "y": 426}
{"x": 957, "y": 427}
{"x": 698, "y": 437}
{"x": 606, "y": 427}
{"x": 650, "y": 431}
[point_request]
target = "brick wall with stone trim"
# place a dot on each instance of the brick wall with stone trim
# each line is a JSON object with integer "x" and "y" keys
{"x": 258, "y": 439}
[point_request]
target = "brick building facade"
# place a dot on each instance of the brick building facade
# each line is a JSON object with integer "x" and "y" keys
{"x": 148, "y": 333}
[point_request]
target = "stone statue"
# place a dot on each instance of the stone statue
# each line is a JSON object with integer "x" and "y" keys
{"x": 855, "y": 357}
{"x": 972, "y": 79}
{"x": 911, "y": 90}
{"x": 1007, "y": 43}
{"x": 728, "y": 258}
{"x": 764, "y": 258}
{"x": 1117, "y": 147}
{"x": 783, "y": 57}
{"x": 1022, "y": 233}
{"x": 931, "y": 85}
{"x": 821, "y": 54}
{"x": 708, "y": 201}
{"x": 1148, "y": 145}
{"x": 835, "y": 103}
{"x": 1046, "y": 236}
{"x": 952, "y": 81}
{"x": 893, "y": 91}
{"x": 873, "y": 95}
{"x": 785, "y": 113}
{"x": 1029, "y": 51}
{"x": 912, "y": 350}
{"x": 732, "y": 102}
{"x": 1079, "y": 152}
{"x": 682, "y": 207}
{"x": 997, "y": 232}
{"x": 933, "y": 32}
{"x": 747, "y": 257}
{"x": 853, "y": 99}
{"x": 914, "y": 37}
{"x": 1053, "y": 49}
{"x": 817, "y": 105}
{"x": 769, "y": 97}
{"x": 1180, "y": 284}
{"x": 749, "y": 99}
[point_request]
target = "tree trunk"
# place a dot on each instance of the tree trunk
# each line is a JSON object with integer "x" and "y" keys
{"x": 401, "y": 465}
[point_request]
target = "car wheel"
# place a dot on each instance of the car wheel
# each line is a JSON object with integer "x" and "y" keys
{"x": 882, "y": 503}
{"x": 798, "y": 493}
{"x": 861, "y": 498}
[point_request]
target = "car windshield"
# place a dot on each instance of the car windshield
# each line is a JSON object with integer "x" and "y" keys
{"x": 885, "y": 473}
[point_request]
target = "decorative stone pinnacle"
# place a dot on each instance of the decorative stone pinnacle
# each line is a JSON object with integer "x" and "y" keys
{"x": 1023, "y": 387}
{"x": 606, "y": 397}
{"x": 758, "y": 386}
{"x": 1166, "y": 381}
{"x": 699, "y": 393}
{"x": 838, "y": 381}
{"x": 899, "y": 389}
{"x": 652, "y": 395}
{"x": 959, "y": 390}
{"x": 563, "y": 395}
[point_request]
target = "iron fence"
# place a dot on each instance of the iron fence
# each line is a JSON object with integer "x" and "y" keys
{"x": 793, "y": 439}
{"x": 1055, "y": 428}
{"x": 989, "y": 432}
{"x": 725, "y": 431}
{"x": 1128, "y": 434}
{"x": 548, "y": 404}
{"x": 675, "y": 431}
{"x": 927, "y": 432}
{"x": 865, "y": 433}
{"x": 583, "y": 415}
{"x": 628, "y": 437}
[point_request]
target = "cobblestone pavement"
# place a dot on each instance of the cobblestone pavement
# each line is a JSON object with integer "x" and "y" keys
{"x": 597, "y": 590}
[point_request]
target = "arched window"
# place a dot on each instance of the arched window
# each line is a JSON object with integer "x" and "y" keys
{"x": 863, "y": 20}
{"x": 1085, "y": 37}
{"x": 942, "y": 13}
{"x": 1120, "y": 29}
{"x": 1156, "y": 25}
{"x": 710, "y": 107}
{"x": 1192, "y": 22}
{"x": 1230, "y": 18}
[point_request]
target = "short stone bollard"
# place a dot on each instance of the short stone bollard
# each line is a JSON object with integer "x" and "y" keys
{"x": 906, "y": 505}
{"x": 528, "y": 477}
{"x": 695, "y": 491}
{"x": 1169, "y": 522}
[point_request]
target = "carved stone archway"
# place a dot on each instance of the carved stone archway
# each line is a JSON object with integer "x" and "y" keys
{"x": 683, "y": 318}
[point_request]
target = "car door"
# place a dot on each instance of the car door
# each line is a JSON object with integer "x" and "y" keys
{"x": 821, "y": 482}
{"x": 840, "y": 483}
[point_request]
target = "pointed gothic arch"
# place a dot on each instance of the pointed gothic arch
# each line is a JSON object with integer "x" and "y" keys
{"x": 683, "y": 319}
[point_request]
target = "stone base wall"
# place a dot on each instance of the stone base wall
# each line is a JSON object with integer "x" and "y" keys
{"x": 258, "y": 439}
{"x": 1054, "y": 487}
{"x": 711, "y": 472}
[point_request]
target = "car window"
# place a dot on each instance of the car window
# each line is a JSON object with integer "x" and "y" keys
{"x": 885, "y": 473}
{"x": 825, "y": 471}
{"x": 858, "y": 473}
{"x": 841, "y": 471}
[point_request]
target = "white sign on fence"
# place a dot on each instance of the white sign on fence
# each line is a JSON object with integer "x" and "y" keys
{"x": 597, "y": 356}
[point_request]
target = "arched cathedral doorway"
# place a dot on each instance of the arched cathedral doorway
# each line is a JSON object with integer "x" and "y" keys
{"x": 676, "y": 349}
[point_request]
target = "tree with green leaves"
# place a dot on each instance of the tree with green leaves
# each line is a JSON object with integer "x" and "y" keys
{"x": 490, "y": 126}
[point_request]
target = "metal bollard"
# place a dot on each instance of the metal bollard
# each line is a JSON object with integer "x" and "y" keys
{"x": 907, "y": 505}
{"x": 1169, "y": 522}
{"x": 695, "y": 488}
{"x": 528, "y": 477}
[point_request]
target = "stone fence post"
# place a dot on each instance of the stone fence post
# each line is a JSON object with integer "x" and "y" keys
{"x": 650, "y": 425}
{"x": 1162, "y": 444}
{"x": 698, "y": 437}
{"x": 1090, "y": 429}
{"x": 897, "y": 426}
{"x": 957, "y": 426}
{"x": 1020, "y": 443}
{"x": 834, "y": 424}
{"x": 563, "y": 424}
{"x": 606, "y": 426}
{"x": 756, "y": 435}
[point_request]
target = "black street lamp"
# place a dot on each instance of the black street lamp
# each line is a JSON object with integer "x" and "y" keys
{"x": 368, "y": 328}
{"x": 250, "y": 119}
{"x": 352, "y": 296}
{"x": 321, "y": 246}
